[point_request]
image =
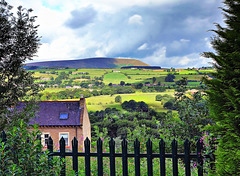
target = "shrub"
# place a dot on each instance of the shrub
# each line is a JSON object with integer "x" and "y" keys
{"x": 22, "y": 153}
{"x": 118, "y": 99}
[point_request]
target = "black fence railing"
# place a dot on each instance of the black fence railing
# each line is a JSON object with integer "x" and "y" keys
{"x": 112, "y": 155}
{"x": 186, "y": 156}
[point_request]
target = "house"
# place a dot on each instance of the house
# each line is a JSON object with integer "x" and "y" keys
{"x": 67, "y": 119}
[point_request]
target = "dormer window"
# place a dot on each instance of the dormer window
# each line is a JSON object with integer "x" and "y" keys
{"x": 63, "y": 116}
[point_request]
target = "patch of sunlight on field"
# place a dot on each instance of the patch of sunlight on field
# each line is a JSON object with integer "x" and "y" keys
{"x": 189, "y": 77}
{"x": 188, "y": 72}
{"x": 53, "y": 89}
{"x": 104, "y": 101}
{"x": 115, "y": 78}
{"x": 103, "y": 107}
{"x": 44, "y": 75}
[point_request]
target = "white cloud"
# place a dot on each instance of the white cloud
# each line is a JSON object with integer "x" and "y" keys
{"x": 116, "y": 29}
{"x": 190, "y": 60}
{"x": 196, "y": 24}
{"x": 184, "y": 40}
{"x": 208, "y": 43}
{"x": 135, "y": 19}
{"x": 143, "y": 47}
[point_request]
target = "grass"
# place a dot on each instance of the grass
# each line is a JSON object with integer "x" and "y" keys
{"x": 115, "y": 78}
{"x": 106, "y": 101}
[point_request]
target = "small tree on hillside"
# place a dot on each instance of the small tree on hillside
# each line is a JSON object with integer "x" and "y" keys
{"x": 224, "y": 90}
{"x": 18, "y": 43}
{"x": 122, "y": 83}
{"x": 118, "y": 99}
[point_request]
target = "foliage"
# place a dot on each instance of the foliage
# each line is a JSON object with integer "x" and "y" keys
{"x": 118, "y": 99}
{"x": 170, "y": 78}
{"x": 192, "y": 110}
{"x": 139, "y": 86}
{"x": 135, "y": 106}
{"x": 22, "y": 153}
{"x": 224, "y": 90}
{"x": 18, "y": 43}
{"x": 169, "y": 105}
{"x": 122, "y": 83}
{"x": 118, "y": 123}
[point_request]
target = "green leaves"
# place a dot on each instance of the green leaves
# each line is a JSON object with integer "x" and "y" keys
{"x": 18, "y": 43}
{"x": 22, "y": 153}
{"x": 224, "y": 90}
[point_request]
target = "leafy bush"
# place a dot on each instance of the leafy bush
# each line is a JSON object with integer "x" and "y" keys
{"x": 22, "y": 153}
{"x": 118, "y": 99}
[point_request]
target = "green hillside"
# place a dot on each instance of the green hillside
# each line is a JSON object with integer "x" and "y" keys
{"x": 90, "y": 63}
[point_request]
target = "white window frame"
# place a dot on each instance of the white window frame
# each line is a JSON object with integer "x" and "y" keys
{"x": 43, "y": 139}
{"x": 61, "y": 133}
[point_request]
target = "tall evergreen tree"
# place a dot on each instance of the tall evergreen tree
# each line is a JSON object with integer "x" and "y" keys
{"x": 224, "y": 90}
{"x": 18, "y": 43}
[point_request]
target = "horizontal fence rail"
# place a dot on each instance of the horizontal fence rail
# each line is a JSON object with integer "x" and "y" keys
{"x": 112, "y": 155}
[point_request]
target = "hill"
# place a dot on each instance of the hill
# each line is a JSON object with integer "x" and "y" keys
{"x": 89, "y": 63}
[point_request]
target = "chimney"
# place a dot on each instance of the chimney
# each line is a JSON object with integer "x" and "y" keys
{"x": 82, "y": 101}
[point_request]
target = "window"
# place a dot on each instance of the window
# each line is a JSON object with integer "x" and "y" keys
{"x": 45, "y": 138}
{"x": 63, "y": 115}
{"x": 65, "y": 137}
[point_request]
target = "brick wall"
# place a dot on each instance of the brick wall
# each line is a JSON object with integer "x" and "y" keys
{"x": 55, "y": 132}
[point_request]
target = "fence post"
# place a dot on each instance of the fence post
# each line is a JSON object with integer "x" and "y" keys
{"x": 199, "y": 158}
{"x": 162, "y": 158}
{"x": 62, "y": 156}
{"x": 149, "y": 158}
{"x": 112, "y": 157}
{"x": 100, "y": 157}
{"x": 124, "y": 157}
{"x": 174, "y": 158}
{"x": 137, "y": 157}
{"x": 75, "y": 154}
{"x": 187, "y": 157}
{"x": 87, "y": 157}
{"x": 50, "y": 149}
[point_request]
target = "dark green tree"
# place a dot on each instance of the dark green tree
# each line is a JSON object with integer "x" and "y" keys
{"x": 170, "y": 78}
{"x": 18, "y": 43}
{"x": 118, "y": 99}
{"x": 224, "y": 90}
{"x": 192, "y": 110}
{"x": 122, "y": 83}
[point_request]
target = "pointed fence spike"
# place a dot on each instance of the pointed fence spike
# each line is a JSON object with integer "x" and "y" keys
{"x": 75, "y": 154}
{"x": 50, "y": 149}
{"x": 112, "y": 157}
{"x": 87, "y": 157}
{"x": 99, "y": 141}
{"x": 50, "y": 141}
{"x": 149, "y": 157}
{"x": 162, "y": 157}
{"x": 100, "y": 157}
{"x": 136, "y": 142}
{"x": 137, "y": 156}
{"x": 62, "y": 156}
{"x": 124, "y": 157}
{"x": 187, "y": 157}
{"x": 149, "y": 143}
{"x": 174, "y": 158}
{"x": 124, "y": 142}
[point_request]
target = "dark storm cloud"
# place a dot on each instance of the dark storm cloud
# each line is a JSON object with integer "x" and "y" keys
{"x": 181, "y": 27}
{"x": 81, "y": 17}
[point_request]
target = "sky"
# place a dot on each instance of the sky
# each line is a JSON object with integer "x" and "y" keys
{"x": 166, "y": 33}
